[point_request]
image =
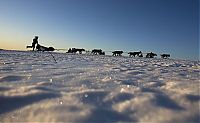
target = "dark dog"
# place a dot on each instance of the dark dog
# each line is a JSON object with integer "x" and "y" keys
{"x": 165, "y": 56}
{"x": 117, "y": 53}
{"x": 139, "y": 54}
{"x": 151, "y": 55}
{"x": 97, "y": 51}
{"x": 74, "y": 50}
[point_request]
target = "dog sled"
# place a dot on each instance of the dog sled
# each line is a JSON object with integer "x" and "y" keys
{"x": 42, "y": 48}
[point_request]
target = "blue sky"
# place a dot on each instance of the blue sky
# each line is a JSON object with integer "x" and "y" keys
{"x": 161, "y": 26}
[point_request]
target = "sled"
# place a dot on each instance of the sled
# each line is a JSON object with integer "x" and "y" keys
{"x": 43, "y": 48}
{"x": 29, "y": 47}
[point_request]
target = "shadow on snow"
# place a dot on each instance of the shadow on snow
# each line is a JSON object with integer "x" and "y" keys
{"x": 8, "y": 104}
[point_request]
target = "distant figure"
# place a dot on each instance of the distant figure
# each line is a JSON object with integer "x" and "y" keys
{"x": 150, "y": 55}
{"x": 74, "y": 50}
{"x": 139, "y": 54}
{"x": 117, "y": 53}
{"x": 165, "y": 56}
{"x": 97, "y": 52}
{"x": 35, "y": 41}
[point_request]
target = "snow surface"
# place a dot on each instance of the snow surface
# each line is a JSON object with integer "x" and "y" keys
{"x": 88, "y": 88}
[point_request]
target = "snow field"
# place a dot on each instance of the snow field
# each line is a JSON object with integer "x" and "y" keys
{"x": 88, "y": 88}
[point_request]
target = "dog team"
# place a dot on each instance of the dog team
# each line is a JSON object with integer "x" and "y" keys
{"x": 94, "y": 51}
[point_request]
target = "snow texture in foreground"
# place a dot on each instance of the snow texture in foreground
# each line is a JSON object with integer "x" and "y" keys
{"x": 87, "y": 88}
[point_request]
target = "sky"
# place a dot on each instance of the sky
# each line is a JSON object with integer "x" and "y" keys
{"x": 160, "y": 26}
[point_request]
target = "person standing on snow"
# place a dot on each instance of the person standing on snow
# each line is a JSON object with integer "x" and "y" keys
{"x": 35, "y": 41}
